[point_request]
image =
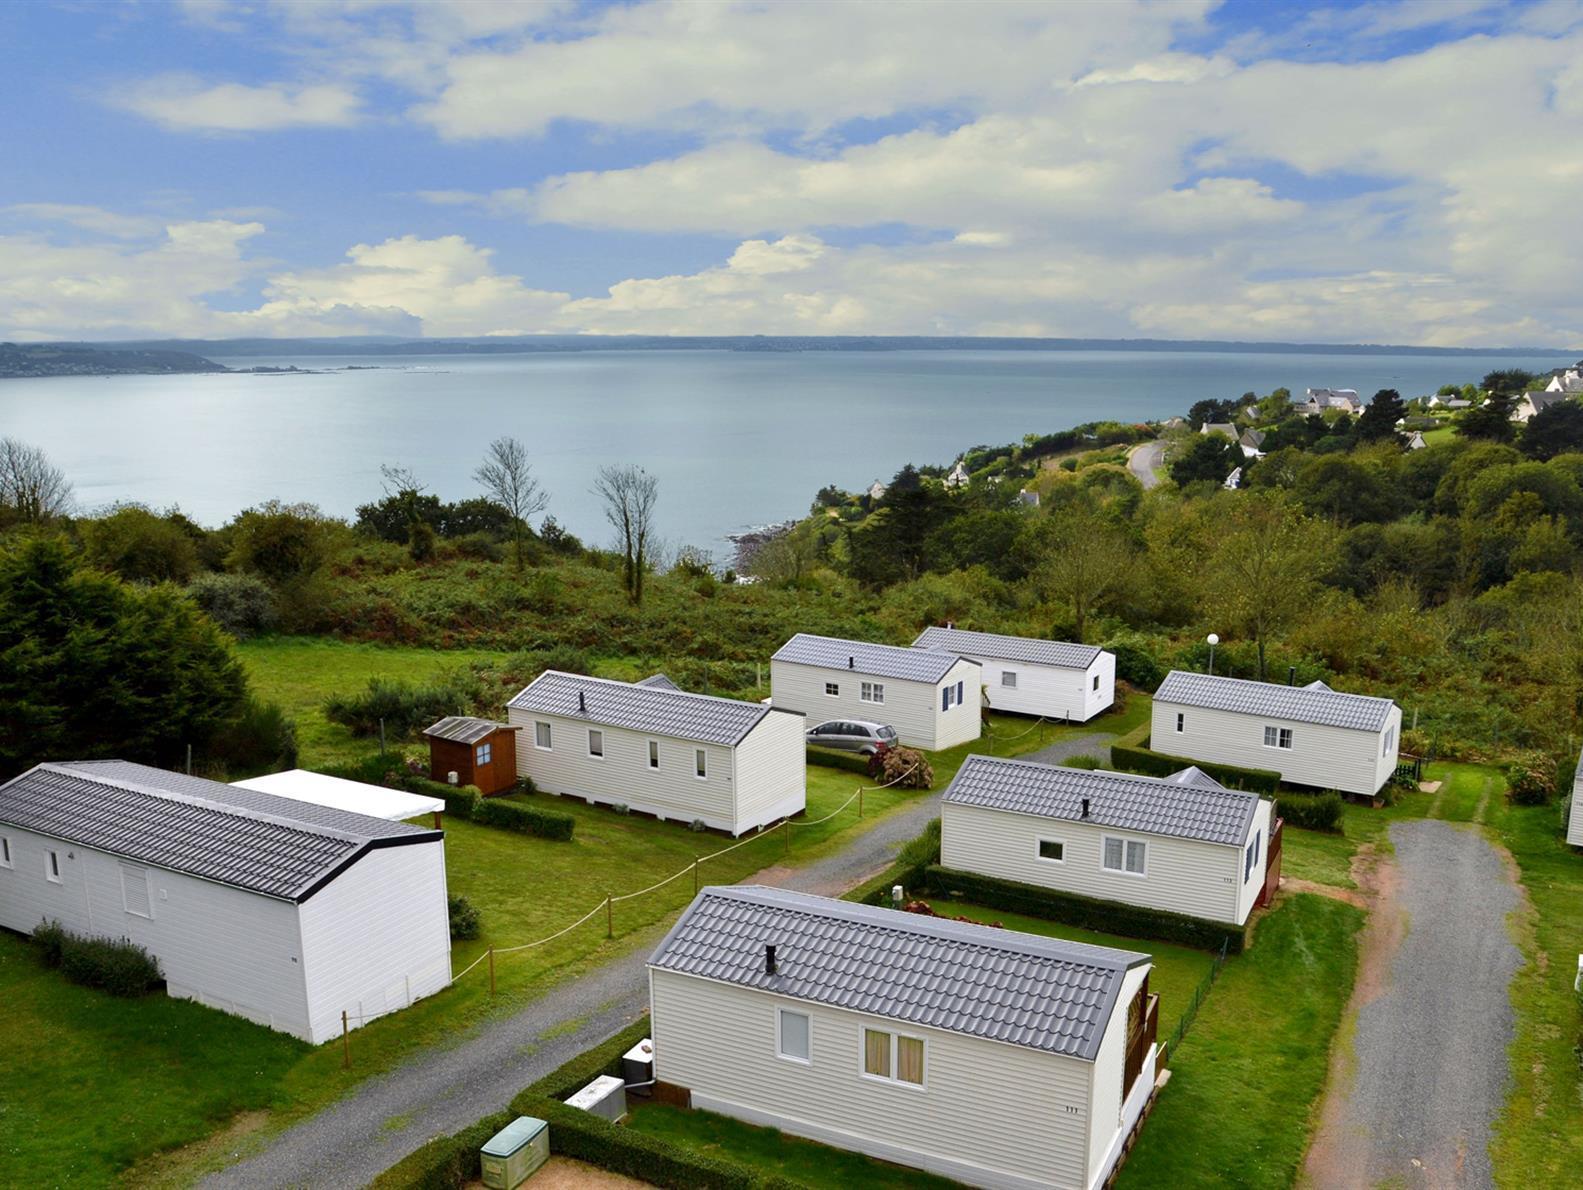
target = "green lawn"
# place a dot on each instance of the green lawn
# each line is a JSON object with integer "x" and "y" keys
{"x": 1177, "y": 969}
{"x": 771, "y": 1151}
{"x": 1327, "y": 858}
{"x": 89, "y": 1083}
{"x": 1246, "y": 1077}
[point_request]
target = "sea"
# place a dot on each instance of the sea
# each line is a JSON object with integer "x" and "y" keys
{"x": 736, "y": 439}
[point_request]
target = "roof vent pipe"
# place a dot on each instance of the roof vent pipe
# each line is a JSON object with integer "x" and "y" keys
{"x": 1085, "y": 807}
{"x": 1291, "y": 675}
{"x": 851, "y": 662}
{"x": 582, "y": 704}
{"x": 769, "y": 959}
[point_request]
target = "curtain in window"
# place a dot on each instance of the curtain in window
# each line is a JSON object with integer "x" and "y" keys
{"x": 1134, "y": 857}
{"x": 909, "y": 1060}
{"x": 876, "y": 1052}
{"x": 1113, "y": 854}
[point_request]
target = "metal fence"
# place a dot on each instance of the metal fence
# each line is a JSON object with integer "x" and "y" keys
{"x": 1191, "y": 1010}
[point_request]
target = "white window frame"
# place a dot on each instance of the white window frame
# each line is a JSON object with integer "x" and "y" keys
{"x": 5, "y": 852}
{"x": 1008, "y": 679}
{"x": 52, "y": 866}
{"x": 1038, "y": 851}
{"x": 891, "y": 1079}
{"x": 148, "y": 892}
{"x": 1252, "y": 857}
{"x": 654, "y": 755}
{"x": 1282, "y": 737}
{"x": 872, "y": 692}
{"x": 592, "y": 732}
{"x": 945, "y": 697}
{"x": 1181, "y": 722}
{"x": 701, "y": 764}
{"x": 780, "y": 1048}
{"x": 484, "y": 753}
{"x": 1096, "y": 683}
{"x": 832, "y": 689}
{"x": 1126, "y": 845}
{"x": 549, "y": 736}
{"x": 1390, "y": 738}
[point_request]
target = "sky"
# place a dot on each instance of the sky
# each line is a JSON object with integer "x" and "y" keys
{"x": 1375, "y": 172}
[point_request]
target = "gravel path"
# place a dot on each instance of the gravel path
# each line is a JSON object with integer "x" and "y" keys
{"x": 1428, "y": 1059}
{"x": 1145, "y": 460}
{"x": 443, "y": 1090}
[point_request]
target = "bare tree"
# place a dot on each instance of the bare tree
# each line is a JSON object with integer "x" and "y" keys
{"x": 33, "y": 487}
{"x": 506, "y": 475}
{"x": 630, "y": 494}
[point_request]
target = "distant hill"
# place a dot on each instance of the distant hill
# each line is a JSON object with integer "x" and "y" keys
{"x": 82, "y": 359}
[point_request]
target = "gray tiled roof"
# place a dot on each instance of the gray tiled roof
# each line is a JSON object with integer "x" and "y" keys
{"x": 1301, "y": 704}
{"x": 463, "y": 729}
{"x": 1010, "y": 648}
{"x": 1044, "y": 993}
{"x": 249, "y": 840}
{"x": 1183, "y": 806}
{"x": 653, "y": 709}
{"x": 659, "y": 682}
{"x": 881, "y": 661}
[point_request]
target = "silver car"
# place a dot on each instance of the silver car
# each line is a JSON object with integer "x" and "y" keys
{"x": 853, "y": 735}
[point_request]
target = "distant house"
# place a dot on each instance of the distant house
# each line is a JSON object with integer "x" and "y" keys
{"x": 1531, "y": 403}
{"x": 1455, "y": 403}
{"x": 1323, "y": 400}
{"x": 337, "y": 793}
{"x": 1051, "y": 678}
{"x": 1234, "y": 480}
{"x": 735, "y": 766}
{"x": 1415, "y": 440}
{"x": 480, "y": 752}
{"x": 1029, "y": 497}
{"x": 931, "y": 698}
{"x": 1575, "y": 814}
{"x": 1183, "y": 843}
{"x": 1251, "y": 441}
{"x": 275, "y": 909}
{"x": 985, "y": 1055}
{"x": 958, "y": 477}
{"x": 1311, "y": 735}
{"x": 876, "y": 491}
{"x": 1566, "y": 380}
{"x": 1223, "y": 428}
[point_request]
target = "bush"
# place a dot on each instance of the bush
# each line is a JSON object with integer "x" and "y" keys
{"x": 1135, "y": 665}
{"x": 917, "y": 856}
{"x": 852, "y": 762}
{"x": 261, "y": 739}
{"x": 404, "y": 707}
{"x": 446, "y": 1162}
{"x": 242, "y": 604}
{"x": 1084, "y": 762}
{"x": 1108, "y": 917}
{"x": 1131, "y": 754}
{"x": 117, "y": 966}
{"x": 141, "y": 546}
{"x": 464, "y": 919}
{"x": 906, "y": 768}
{"x": 1531, "y": 779}
{"x": 467, "y": 803}
{"x": 1316, "y": 812}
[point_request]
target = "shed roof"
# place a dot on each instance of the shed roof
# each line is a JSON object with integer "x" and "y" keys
{"x": 1185, "y": 805}
{"x": 1316, "y": 704}
{"x": 1000, "y": 985}
{"x": 857, "y": 656}
{"x": 640, "y": 707}
{"x": 249, "y": 840}
{"x": 1059, "y": 653}
{"x": 464, "y": 729}
{"x": 337, "y": 793}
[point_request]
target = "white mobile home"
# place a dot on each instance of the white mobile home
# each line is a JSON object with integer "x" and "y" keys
{"x": 1184, "y": 843}
{"x": 1033, "y": 677}
{"x": 993, "y": 1057}
{"x": 679, "y": 756}
{"x": 274, "y": 909}
{"x": 1311, "y": 735}
{"x": 931, "y": 698}
{"x": 1575, "y": 813}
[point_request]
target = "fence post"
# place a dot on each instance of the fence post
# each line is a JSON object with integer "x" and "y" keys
{"x": 786, "y": 831}
{"x": 860, "y": 801}
{"x": 346, "y": 1043}
{"x": 695, "y": 875}
{"x": 381, "y": 735}
{"x": 491, "y": 970}
{"x": 610, "y": 917}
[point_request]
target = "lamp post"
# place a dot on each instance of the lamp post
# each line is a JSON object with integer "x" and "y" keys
{"x": 1213, "y": 640}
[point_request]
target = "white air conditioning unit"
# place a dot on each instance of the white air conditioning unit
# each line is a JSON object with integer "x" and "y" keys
{"x": 606, "y": 1097}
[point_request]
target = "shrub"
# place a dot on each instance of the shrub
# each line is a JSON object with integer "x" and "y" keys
{"x": 464, "y": 919}
{"x": 852, "y": 762}
{"x": 1135, "y": 665}
{"x": 1316, "y": 812}
{"x": 446, "y": 1162}
{"x": 916, "y": 856}
{"x": 242, "y": 604}
{"x": 117, "y": 966}
{"x": 404, "y": 707}
{"x": 1531, "y": 779}
{"x": 262, "y": 738}
{"x": 50, "y": 939}
{"x": 527, "y": 820}
{"x": 1083, "y": 762}
{"x": 906, "y": 768}
{"x": 140, "y": 545}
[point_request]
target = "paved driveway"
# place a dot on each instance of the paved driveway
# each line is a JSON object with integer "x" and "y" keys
{"x": 1145, "y": 461}
{"x": 1428, "y": 1061}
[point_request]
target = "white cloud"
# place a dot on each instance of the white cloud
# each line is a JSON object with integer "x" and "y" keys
{"x": 185, "y": 103}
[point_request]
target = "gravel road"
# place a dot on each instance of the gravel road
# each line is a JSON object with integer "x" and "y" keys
{"x": 1433, "y": 1021}
{"x": 444, "y": 1089}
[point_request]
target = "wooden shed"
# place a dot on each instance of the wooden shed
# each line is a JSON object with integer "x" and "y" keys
{"x": 480, "y": 752}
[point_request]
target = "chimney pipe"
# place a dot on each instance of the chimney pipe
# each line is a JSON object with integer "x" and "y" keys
{"x": 769, "y": 959}
{"x": 582, "y": 704}
{"x": 1085, "y": 807}
{"x": 1291, "y": 675}
{"x": 851, "y": 662}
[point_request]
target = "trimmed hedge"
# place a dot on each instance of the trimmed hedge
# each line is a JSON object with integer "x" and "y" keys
{"x": 1312, "y": 812}
{"x": 1106, "y": 917}
{"x": 854, "y": 762}
{"x": 1132, "y": 754}
{"x": 115, "y": 965}
{"x": 446, "y": 1162}
{"x": 466, "y": 802}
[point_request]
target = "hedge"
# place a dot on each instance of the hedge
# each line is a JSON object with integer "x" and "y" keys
{"x": 446, "y": 1162}
{"x": 1131, "y": 753}
{"x": 1313, "y": 812}
{"x": 117, "y": 966}
{"x": 854, "y": 762}
{"x": 465, "y": 802}
{"x": 1106, "y": 917}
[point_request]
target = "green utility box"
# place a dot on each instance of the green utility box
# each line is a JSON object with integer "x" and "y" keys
{"x": 513, "y": 1153}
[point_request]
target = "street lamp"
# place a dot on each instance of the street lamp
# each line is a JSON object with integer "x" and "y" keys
{"x": 1213, "y": 640}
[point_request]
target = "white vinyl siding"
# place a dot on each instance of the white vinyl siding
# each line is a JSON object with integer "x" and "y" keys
{"x": 717, "y": 1040}
{"x": 1575, "y": 814}
{"x": 912, "y": 708}
{"x": 1055, "y": 692}
{"x": 1187, "y": 876}
{"x": 772, "y": 771}
{"x": 1318, "y": 756}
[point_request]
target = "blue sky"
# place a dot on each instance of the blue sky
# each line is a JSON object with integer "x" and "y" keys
{"x": 1384, "y": 172}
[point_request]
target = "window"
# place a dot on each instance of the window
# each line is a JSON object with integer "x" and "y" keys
{"x": 872, "y": 692}
{"x": 1124, "y": 855}
{"x": 1277, "y": 737}
{"x": 541, "y": 736}
{"x": 5, "y": 852}
{"x": 793, "y": 1036}
{"x": 945, "y": 698}
{"x": 483, "y": 754}
{"x": 1181, "y": 722}
{"x": 1390, "y": 741}
{"x": 1096, "y": 681}
{"x": 959, "y": 698}
{"x": 1008, "y": 679}
{"x": 892, "y": 1057}
{"x": 1052, "y": 849}
{"x": 1252, "y": 856}
{"x": 52, "y": 866}
{"x": 596, "y": 743}
{"x": 833, "y": 689}
{"x": 134, "y": 891}
{"x": 701, "y": 763}
{"x": 654, "y": 754}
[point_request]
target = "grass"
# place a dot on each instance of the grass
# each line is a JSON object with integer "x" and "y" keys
{"x": 1177, "y": 969}
{"x": 89, "y": 1083}
{"x": 770, "y": 1151}
{"x": 1243, "y": 1082}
